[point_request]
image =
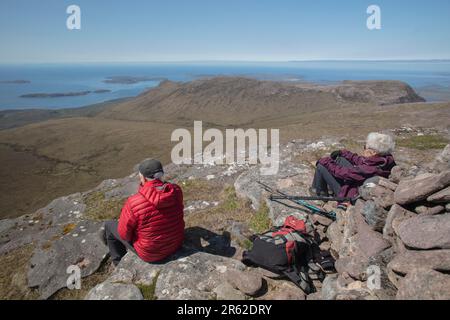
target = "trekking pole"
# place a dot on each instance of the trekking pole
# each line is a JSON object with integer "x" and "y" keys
{"x": 331, "y": 215}
{"x": 308, "y": 198}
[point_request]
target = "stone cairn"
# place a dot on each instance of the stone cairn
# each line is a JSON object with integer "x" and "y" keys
{"x": 395, "y": 242}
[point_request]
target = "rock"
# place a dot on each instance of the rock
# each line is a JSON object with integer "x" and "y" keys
{"x": 336, "y": 237}
{"x": 424, "y": 284}
{"x": 397, "y": 174}
{"x": 442, "y": 161}
{"x": 355, "y": 266}
{"x": 441, "y": 196}
{"x": 225, "y": 291}
{"x": 419, "y": 188}
{"x": 395, "y": 216}
{"x": 247, "y": 282}
{"x": 383, "y": 196}
{"x": 374, "y": 215}
{"x": 295, "y": 176}
{"x": 48, "y": 266}
{"x": 121, "y": 275}
{"x": 194, "y": 276}
{"x": 368, "y": 242}
{"x": 330, "y": 287}
{"x": 352, "y": 295}
{"x": 387, "y": 184}
{"x": 447, "y": 207}
{"x": 6, "y": 224}
{"x": 425, "y": 210}
{"x": 408, "y": 261}
{"x": 285, "y": 291}
{"x": 344, "y": 279}
{"x": 114, "y": 291}
{"x": 426, "y": 232}
{"x": 132, "y": 269}
{"x": 321, "y": 220}
{"x": 314, "y": 296}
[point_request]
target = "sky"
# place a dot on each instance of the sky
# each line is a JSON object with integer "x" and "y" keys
{"x": 221, "y": 30}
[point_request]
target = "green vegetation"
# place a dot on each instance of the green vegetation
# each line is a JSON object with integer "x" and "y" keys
{"x": 231, "y": 200}
{"x": 230, "y": 206}
{"x": 13, "y": 275}
{"x": 199, "y": 189}
{"x": 260, "y": 221}
{"x": 148, "y": 291}
{"x": 425, "y": 142}
{"x": 246, "y": 244}
{"x": 99, "y": 208}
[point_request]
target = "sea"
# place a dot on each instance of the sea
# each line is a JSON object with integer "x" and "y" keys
{"x": 431, "y": 79}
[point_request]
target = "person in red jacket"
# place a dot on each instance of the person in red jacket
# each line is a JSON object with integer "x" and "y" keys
{"x": 343, "y": 171}
{"x": 151, "y": 223}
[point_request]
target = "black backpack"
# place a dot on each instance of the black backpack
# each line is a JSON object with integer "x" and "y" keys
{"x": 290, "y": 250}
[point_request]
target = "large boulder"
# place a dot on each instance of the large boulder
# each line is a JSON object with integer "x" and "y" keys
{"x": 355, "y": 266}
{"x": 249, "y": 283}
{"x": 442, "y": 161}
{"x": 395, "y": 216}
{"x": 426, "y": 232}
{"x": 114, "y": 291}
{"x": 441, "y": 196}
{"x": 187, "y": 275}
{"x": 383, "y": 195}
{"x": 195, "y": 276}
{"x": 375, "y": 215}
{"x": 81, "y": 247}
{"x": 367, "y": 241}
{"x": 419, "y": 188}
{"x": 410, "y": 260}
{"x": 226, "y": 291}
{"x": 424, "y": 284}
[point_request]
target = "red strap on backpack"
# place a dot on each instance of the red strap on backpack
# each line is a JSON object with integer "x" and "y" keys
{"x": 290, "y": 251}
{"x": 295, "y": 224}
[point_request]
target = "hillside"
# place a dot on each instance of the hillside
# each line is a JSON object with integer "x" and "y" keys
{"x": 242, "y": 102}
{"x": 52, "y": 153}
{"x": 400, "y": 226}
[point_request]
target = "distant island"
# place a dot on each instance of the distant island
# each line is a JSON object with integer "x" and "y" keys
{"x": 130, "y": 79}
{"x": 63, "y": 94}
{"x": 15, "y": 81}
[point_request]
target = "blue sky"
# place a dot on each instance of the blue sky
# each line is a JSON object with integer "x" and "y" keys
{"x": 251, "y": 30}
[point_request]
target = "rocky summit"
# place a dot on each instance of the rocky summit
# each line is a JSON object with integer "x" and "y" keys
{"x": 394, "y": 243}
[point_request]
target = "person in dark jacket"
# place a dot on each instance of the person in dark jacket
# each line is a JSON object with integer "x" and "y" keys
{"x": 151, "y": 223}
{"x": 343, "y": 172}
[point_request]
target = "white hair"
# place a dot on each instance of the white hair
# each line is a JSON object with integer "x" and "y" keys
{"x": 381, "y": 143}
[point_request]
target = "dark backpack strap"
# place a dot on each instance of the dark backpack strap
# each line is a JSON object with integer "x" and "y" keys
{"x": 300, "y": 278}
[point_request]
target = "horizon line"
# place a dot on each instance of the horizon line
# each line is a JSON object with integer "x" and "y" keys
{"x": 227, "y": 61}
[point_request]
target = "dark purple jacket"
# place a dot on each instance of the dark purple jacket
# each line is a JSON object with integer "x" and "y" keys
{"x": 363, "y": 168}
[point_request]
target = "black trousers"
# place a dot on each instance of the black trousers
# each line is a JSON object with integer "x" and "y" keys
{"x": 324, "y": 181}
{"x": 117, "y": 246}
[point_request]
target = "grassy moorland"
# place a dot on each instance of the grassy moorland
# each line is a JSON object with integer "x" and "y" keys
{"x": 46, "y": 154}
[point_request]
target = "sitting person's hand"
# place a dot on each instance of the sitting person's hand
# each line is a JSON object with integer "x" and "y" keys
{"x": 335, "y": 154}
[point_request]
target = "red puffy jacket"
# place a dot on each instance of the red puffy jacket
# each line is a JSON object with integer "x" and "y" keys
{"x": 152, "y": 220}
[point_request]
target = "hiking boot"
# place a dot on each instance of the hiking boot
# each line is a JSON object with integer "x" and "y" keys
{"x": 314, "y": 193}
{"x": 343, "y": 205}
